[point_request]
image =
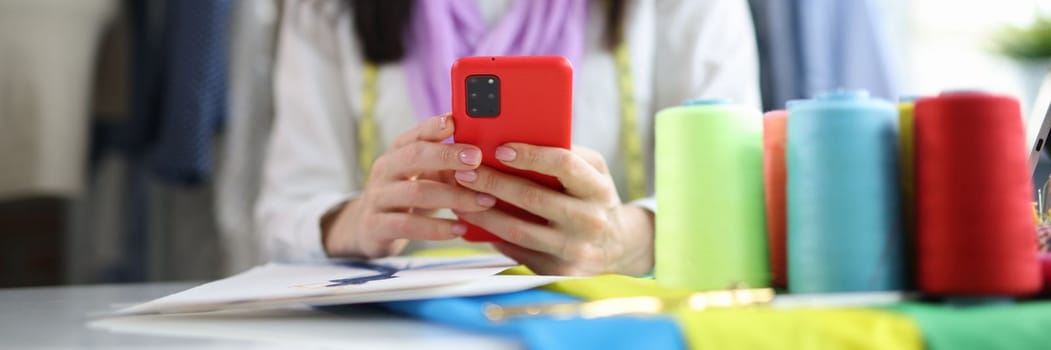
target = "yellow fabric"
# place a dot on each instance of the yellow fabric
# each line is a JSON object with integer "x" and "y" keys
{"x": 764, "y": 328}
{"x": 761, "y": 327}
{"x": 748, "y": 328}
{"x": 615, "y": 286}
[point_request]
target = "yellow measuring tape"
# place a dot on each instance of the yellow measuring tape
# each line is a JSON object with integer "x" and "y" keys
{"x": 367, "y": 130}
{"x": 630, "y": 139}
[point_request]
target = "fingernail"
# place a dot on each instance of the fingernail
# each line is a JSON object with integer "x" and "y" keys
{"x": 486, "y": 200}
{"x": 459, "y": 229}
{"x": 471, "y": 156}
{"x": 506, "y": 154}
{"x": 467, "y": 175}
{"x": 443, "y": 121}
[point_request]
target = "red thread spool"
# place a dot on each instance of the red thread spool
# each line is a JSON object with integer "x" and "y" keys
{"x": 774, "y": 123}
{"x": 974, "y": 219}
{"x": 1045, "y": 264}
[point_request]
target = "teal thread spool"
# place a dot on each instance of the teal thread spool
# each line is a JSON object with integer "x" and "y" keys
{"x": 844, "y": 230}
{"x": 711, "y": 231}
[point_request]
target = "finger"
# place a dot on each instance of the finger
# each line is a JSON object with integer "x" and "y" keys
{"x": 429, "y": 194}
{"x": 434, "y": 129}
{"x": 520, "y": 192}
{"x": 517, "y": 231}
{"x": 592, "y": 157}
{"x": 439, "y": 176}
{"x": 448, "y": 177}
{"x": 443, "y": 176}
{"x": 580, "y": 179}
{"x": 409, "y": 226}
{"x": 426, "y": 156}
{"x": 539, "y": 263}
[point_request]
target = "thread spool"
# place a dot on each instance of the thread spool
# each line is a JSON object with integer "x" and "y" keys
{"x": 711, "y": 231}
{"x": 1045, "y": 268}
{"x": 907, "y": 167}
{"x": 907, "y": 163}
{"x": 974, "y": 230}
{"x": 843, "y": 195}
{"x": 774, "y": 123}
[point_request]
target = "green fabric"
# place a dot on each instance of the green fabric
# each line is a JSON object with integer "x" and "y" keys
{"x": 1019, "y": 326}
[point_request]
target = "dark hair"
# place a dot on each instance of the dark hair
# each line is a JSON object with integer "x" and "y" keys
{"x": 381, "y": 26}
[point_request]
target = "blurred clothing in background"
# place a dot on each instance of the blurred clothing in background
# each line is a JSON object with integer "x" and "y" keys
{"x": 807, "y": 46}
{"x": 250, "y": 113}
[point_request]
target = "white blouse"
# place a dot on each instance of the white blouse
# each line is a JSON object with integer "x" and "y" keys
{"x": 680, "y": 49}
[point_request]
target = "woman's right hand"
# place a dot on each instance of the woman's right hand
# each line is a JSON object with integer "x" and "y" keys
{"x": 411, "y": 179}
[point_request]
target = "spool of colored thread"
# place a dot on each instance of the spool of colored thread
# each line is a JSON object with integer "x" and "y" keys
{"x": 907, "y": 161}
{"x": 711, "y": 231}
{"x": 906, "y": 164}
{"x": 774, "y": 123}
{"x": 974, "y": 230}
{"x": 843, "y": 195}
{"x": 1045, "y": 267}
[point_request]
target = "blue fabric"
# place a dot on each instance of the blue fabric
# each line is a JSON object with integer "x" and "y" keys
{"x": 809, "y": 46}
{"x": 780, "y": 66}
{"x": 194, "y": 102}
{"x": 546, "y": 333}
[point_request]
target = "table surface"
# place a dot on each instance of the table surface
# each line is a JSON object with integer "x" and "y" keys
{"x": 65, "y": 317}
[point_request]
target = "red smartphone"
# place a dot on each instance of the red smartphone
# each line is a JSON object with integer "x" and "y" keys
{"x": 503, "y": 99}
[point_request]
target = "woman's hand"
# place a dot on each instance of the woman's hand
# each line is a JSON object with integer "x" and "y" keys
{"x": 412, "y": 178}
{"x": 589, "y": 230}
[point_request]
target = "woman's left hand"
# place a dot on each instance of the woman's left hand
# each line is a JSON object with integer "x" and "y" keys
{"x": 589, "y": 230}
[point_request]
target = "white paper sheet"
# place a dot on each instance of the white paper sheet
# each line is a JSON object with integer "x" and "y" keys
{"x": 280, "y": 285}
{"x": 304, "y": 328}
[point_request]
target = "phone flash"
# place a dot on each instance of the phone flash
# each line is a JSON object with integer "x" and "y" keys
{"x": 491, "y": 81}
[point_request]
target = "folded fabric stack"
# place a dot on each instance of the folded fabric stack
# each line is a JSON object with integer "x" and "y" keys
{"x": 908, "y": 325}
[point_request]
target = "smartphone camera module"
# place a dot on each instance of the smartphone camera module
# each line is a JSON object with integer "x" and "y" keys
{"x": 483, "y": 96}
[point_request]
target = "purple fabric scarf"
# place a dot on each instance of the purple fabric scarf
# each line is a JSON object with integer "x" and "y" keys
{"x": 445, "y": 30}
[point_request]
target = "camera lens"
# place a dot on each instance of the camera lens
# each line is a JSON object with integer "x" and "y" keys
{"x": 482, "y": 95}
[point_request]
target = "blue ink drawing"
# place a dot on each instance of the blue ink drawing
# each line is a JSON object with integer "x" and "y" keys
{"x": 385, "y": 272}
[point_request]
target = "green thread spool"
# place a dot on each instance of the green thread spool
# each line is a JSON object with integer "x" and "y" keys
{"x": 711, "y": 229}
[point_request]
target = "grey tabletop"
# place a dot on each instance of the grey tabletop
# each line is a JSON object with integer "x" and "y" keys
{"x": 64, "y": 317}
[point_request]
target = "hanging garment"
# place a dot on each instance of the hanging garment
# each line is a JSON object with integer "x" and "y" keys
{"x": 178, "y": 68}
{"x": 807, "y": 46}
{"x": 194, "y": 97}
